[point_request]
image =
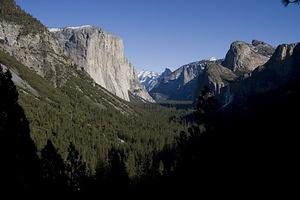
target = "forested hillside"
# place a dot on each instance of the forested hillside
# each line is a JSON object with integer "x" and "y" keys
{"x": 92, "y": 119}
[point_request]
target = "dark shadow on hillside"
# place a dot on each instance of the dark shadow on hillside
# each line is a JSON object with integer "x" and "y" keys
{"x": 19, "y": 169}
{"x": 246, "y": 149}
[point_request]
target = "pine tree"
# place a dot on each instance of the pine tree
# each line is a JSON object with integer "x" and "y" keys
{"x": 118, "y": 175}
{"x": 53, "y": 169}
{"x": 76, "y": 169}
{"x": 206, "y": 102}
{"x": 207, "y": 106}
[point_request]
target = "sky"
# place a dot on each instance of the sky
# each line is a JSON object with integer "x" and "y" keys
{"x": 170, "y": 33}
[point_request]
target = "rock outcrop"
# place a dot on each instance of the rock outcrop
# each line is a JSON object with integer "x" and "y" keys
{"x": 101, "y": 55}
{"x": 263, "y": 48}
{"x": 244, "y": 58}
{"x": 40, "y": 51}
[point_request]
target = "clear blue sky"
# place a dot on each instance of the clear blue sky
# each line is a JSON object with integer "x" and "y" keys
{"x": 170, "y": 33}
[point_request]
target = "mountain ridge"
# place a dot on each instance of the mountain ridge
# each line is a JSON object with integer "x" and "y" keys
{"x": 186, "y": 82}
{"x": 181, "y": 84}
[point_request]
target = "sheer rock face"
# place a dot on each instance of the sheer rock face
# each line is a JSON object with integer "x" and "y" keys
{"x": 101, "y": 55}
{"x": 41, "y": 52}
{"x": 244, "y": 58}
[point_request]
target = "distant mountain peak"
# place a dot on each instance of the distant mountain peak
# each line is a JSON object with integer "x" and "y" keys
{"x": 148, "y": 79}
{"x": 167, "y": 70}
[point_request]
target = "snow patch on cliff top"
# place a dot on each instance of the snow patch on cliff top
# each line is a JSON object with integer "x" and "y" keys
{"x": 213, "y": 59}
{"x": 143, "y": 75}
{"x": 69, "y": 27}
{"x": 54, "y": 29}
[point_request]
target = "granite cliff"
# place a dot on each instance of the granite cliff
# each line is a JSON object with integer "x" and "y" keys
{"x": 101, "y": 55}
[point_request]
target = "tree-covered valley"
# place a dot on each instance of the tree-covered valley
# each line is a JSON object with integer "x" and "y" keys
{"x": 75, "y": 119}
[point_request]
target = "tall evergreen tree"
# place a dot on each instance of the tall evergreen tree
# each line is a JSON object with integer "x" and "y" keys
{"x": 118, "y": 175}
{"x": 206, "y": 108}
{"x": 76, "y": 169}
{"x": 206, "y": 102}
{"x": 53, "y": 169}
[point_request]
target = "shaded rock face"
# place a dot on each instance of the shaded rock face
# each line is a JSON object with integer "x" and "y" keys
{"x": 243, "y": 57}
{"x": 263, "y": 48}
{"x": 216, "y": 77}
{"x": 101, "y": 55}
{"x": 166, "y": 73}
{"x": 181, "y": 84}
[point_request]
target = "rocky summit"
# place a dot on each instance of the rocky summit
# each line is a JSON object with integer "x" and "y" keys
{"x": 243, "y": 57}
{"x": 101, "y": 55}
